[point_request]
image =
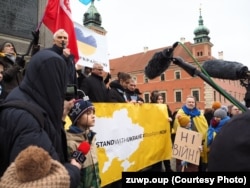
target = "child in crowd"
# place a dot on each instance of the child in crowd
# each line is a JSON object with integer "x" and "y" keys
{"x": 184, "y": 166}
{"x": 82, "y": 116}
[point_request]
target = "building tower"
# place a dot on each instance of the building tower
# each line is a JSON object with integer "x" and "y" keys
{"x": 202, "y": 46}
{"x": 92, "y": 19}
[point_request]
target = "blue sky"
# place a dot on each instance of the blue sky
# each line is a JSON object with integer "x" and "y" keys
{"x": 133, "y": 24}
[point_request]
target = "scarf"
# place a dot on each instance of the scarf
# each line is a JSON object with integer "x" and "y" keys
{"x": 191, "y": 112}
{"x": 11, "y": 57}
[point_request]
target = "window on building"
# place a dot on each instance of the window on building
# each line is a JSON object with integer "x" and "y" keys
{"x": 177, "y": 75}
{"x": 134, "y": 78}
{"x": 215, "y": 96}
{"x": 146, "y": 80}
{"x": 164, "y": 96}
{"x": 199, "y": 53}
{"x": 178, "y": 96}
{"x": 146, "y": 98}
{"x": 163, "y": 77}
{"x": 196, "y": 94}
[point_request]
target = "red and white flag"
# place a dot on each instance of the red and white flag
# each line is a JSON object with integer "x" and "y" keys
{"x": 57, "y": 15}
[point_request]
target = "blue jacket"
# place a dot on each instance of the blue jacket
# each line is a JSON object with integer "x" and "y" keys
{"x": 212, "y": 131}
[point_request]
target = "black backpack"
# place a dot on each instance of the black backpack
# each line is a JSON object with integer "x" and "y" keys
{"x": 29, "y": 107}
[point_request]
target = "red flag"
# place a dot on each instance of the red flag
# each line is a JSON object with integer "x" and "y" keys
{"x": 57, "y": 15}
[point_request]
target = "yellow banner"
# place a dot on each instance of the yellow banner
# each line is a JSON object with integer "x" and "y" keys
{"x": 130, "y": 137}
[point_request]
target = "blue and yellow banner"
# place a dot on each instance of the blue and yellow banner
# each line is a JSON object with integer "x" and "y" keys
{"x": 92, "y": 47}
{"x": 130, "y": 137}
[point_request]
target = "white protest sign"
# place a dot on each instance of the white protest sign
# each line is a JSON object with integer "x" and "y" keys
{"x": 186, "y": 145}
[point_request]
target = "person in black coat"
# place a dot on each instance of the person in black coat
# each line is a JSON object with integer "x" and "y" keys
{"x": 118, "y": 88}
{"x": 13, "y": 66}
{"x": 133, "y": 93}
{"x": 60, "y": 40}
{"x": 44, "y": 85}
{"x": 93, "y": 86}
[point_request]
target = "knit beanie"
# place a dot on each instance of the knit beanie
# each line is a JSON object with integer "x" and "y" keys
{"x": 78, "y": 109}
{"x": 216, "y": 105}
{"x": 34, "y": 168}
{"x": 183, "y": 120}
{"x": 225, "y": 108}
{"x": 230, "y": 150}
{"x": 220, "y": 113}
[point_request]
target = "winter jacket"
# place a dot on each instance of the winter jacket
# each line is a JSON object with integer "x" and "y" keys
{"x": 94, "y": 87}
{"x": 132, "y": 95}
{"x": 213, "y": 130}
{"x": 117, "y": 92}
{"x": 44, "y": 85}
{"x": 13, "y": 73}
{"x": 69, "y": 62}
{"x": 90, "y": 176}
{"x": 3, "y": 92}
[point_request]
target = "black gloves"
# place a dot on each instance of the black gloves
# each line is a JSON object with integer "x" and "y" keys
{"x": 36, "y": 46}
{"x": 35, "y": 37}
{"x": 108, "y": 77}
{"x": 20, "y": 61}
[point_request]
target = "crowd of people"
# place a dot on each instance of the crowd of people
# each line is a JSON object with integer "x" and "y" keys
{"x": 43, "y": 83}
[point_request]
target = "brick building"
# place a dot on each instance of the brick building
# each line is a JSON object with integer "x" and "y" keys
{"x": 175, "y": 83}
